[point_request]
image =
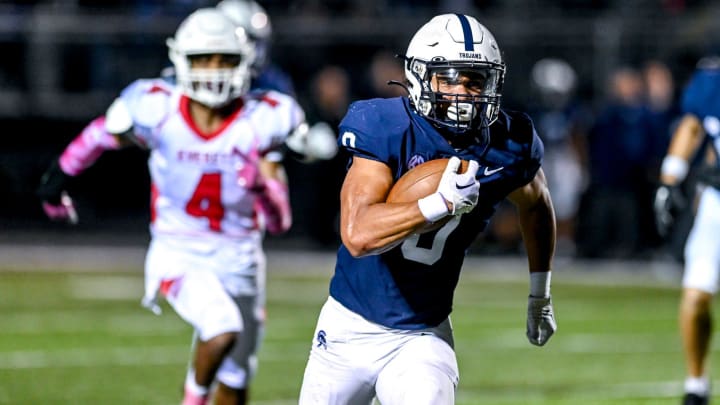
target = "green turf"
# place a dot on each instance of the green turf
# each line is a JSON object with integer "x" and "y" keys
{"x": 82, "y": 338}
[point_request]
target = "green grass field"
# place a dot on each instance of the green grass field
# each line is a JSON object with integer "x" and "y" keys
{"x": 81, "y": 338}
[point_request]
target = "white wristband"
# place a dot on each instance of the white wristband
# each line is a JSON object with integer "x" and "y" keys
{"x": 540, "y": 284}
{"x": 674, "y": 166}
{"x": 433, "y": 207}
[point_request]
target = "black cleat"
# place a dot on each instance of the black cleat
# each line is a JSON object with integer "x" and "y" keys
{"x": 694, "y": 399}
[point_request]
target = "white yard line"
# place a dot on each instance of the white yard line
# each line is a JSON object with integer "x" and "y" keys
{"x": 115, "y": 287}
{"x": 94, "y": 357}
{"x": 102, "y": 258}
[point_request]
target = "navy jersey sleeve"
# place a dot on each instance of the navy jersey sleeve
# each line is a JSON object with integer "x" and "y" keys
{"x": 373, "y": 129}
{"x": 690, "y": 95}
{"x": 525, "y": 134}
{"x": 700, "y": 94}
{"x": 515, "y": 145}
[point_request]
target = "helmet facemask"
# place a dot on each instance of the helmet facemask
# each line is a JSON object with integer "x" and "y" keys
{"x": 213, "y": 87}
{"x": 458, "y": 113}
{"x": 204, "y": 33}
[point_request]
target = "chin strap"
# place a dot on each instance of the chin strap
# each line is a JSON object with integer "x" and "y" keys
{"x": 397, "y": 83}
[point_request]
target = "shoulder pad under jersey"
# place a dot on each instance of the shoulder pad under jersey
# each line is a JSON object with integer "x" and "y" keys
{"x": 373, "y": 128}
{"x": 700, "y": 95}
{"x": 148, "y": 101}
{"x": 274, "y": 116}
{"x": 117, "y": 118}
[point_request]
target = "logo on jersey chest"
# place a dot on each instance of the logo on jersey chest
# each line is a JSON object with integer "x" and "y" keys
{"x": 416, "y": 160}
{"x": 489, "y": 172}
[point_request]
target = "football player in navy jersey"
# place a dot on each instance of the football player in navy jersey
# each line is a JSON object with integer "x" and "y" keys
{"x": 698, "y": 130}
{"x": 385, "y": 331}
{"x": 253, "y": 18}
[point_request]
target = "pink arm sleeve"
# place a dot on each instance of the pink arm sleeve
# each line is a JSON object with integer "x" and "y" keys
{"x": 274, "y": 204}
{"x": 87, "y": 147}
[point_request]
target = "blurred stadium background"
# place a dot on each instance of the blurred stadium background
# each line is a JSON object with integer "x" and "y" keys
{"x": 65, "y": 60}
{"x": 62, "y": 327}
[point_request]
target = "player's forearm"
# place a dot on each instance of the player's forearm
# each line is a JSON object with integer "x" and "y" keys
{"x": 686, "y": 140}
{"x": 537, "y": 224}
{"x": 379, "y": 227}
{"x": 87, "y": 147}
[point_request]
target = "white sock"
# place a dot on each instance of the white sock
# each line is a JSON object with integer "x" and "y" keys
{"x": 193, "y": 387}
{"x": 697, "y": 385}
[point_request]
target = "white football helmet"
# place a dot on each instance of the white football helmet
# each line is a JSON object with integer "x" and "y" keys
{"x": 250, "y": 16}
{"x": 447, "y": 45}
{"x": 555, "y": 80}
{"x": 207, "y": 31}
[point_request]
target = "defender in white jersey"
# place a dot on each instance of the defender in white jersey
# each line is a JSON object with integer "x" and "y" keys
{"x": 217, "y": 186}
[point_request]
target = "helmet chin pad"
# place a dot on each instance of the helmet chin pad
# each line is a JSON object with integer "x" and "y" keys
{"x": 458, "y": 113}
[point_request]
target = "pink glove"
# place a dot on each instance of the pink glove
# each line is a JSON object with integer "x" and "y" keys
{"x": 64, "y": 212}
{"x": 249, "y": 176}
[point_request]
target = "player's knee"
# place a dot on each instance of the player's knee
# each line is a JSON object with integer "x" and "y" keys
{"x": 224, "y": 341}
{"x": 696, "y": 301}
{"x": 220, "y": 322}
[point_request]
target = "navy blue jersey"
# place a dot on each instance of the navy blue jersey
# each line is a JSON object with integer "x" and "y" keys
{"x": 700, "y": 98}
{"x": 411, "y": 286}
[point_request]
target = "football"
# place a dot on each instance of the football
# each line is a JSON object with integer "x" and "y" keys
{"x": 419, "y": 182}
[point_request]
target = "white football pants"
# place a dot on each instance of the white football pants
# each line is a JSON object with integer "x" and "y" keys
{"x": 353, "y": 360}
{"x": 702, "y": 249}
{"x": 216, "y": 292}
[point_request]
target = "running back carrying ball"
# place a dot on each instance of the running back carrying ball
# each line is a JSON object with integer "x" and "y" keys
{"x": 419, "y": 182}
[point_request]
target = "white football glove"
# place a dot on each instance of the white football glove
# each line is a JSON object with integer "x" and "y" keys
{"x": 540, "y": 320}
{"x": 461, "y": 190}
{"x": 312, "y": 143}
{"x": 321, "y": 142}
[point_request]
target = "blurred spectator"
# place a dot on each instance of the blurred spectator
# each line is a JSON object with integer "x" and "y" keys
{"x": 662, "y": 104}
{"x": 619, "y": 153}
{"x": 561, "y": 122}
{"x": 318, "y": 183}
{"x": 664, "y": 110}
{"x": 383, "y": 68}
{"x": 330, "y": 94}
